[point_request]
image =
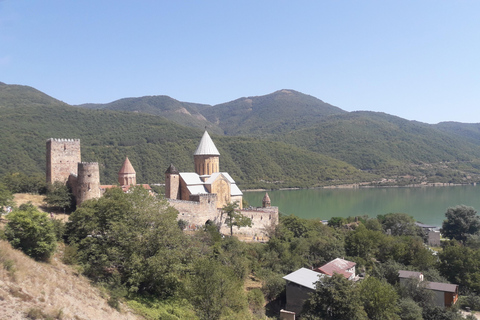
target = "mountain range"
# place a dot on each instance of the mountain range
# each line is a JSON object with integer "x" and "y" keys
{"x": 282, "y": 139}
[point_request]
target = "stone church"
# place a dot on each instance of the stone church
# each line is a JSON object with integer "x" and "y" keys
{"x": 198, "y": 196}
{"x": 206, "y": 180}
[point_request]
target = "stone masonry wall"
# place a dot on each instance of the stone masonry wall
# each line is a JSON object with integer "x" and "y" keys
{"x": 197, "y": 213}
{"x": 62, "y": 158}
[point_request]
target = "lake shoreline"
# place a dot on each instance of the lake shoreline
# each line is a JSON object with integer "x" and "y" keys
{"x": 367, "y": 185}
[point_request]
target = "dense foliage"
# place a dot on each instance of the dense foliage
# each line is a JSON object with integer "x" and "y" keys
{"x": 31, "y": 231}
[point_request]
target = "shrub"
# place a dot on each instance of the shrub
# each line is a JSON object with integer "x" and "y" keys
{"x": 32, "y": 232}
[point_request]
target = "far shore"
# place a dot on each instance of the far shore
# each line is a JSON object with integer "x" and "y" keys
{"x": 370, "y": 185}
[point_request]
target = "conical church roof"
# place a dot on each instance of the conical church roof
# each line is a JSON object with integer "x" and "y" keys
{"x": 266, "y": 198}
{"x": 127, "y": 167}
{"x": 206, "y": 146}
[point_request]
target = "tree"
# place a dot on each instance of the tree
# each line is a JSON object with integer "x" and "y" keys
{"x": 215, "y": 289}
{"x": 379, "y": 299}
{"x": 32, "y": 232}
{"x": 335, "y": 298}
{"x": 59, "y": 196}
{"x": 133, "y": 235}
{"x": 461, "y": 222}
{"x": 400, "y": 224}
{"x": 6, "y": 197}
{"x": 409, "y": 310}
{"x": 234, "y": 217}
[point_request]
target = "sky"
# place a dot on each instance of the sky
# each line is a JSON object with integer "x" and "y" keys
{"x": 416, "y": 59}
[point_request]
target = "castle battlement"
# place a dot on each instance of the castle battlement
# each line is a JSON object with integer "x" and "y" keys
{"x": 63, "y": 140}
{"x": 88, "y": 164}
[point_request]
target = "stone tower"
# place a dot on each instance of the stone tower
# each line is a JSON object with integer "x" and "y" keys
{"x": 266, "y": 203}
{"x": 127, "y": 175}
{"x": 88, "y": 182}
{"x": 172, "y": 183}
{"x": 206, "y": 157}
{"x": 62, "y": 158}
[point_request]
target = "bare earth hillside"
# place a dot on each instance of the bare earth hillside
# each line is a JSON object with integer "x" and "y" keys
{"x": 33, "y": 290}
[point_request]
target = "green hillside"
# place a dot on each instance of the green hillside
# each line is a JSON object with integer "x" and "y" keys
{"x": 272, "y": 114}
{"x": 470, "y": 131}
{"x": 152, "y": 143}
{"x": 370, "y": 140}
{"x": 183, "y": 113}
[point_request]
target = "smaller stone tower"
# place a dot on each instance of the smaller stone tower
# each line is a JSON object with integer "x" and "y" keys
{"x": 127, "y": 175}
{"x": 88, "y": 182}
{"x": 266, "y": 203}
{"x": 206, "y": 157}
{"x": 62, "y": 158}
{"x": 172, "y": 183}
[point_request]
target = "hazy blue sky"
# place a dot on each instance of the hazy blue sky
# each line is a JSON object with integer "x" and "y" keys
{"x": 417, "y": 59}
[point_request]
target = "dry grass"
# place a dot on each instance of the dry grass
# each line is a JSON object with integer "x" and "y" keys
{"x": 30, "y": 290}
{"x": 35, "y": 199}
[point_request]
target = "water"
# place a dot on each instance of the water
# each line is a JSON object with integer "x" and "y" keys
{"x": 426, "y": 204}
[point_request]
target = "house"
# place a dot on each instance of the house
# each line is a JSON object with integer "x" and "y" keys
{"x": 300, "y": 284}
{"x": 432, "y": 232}
{"x": 445, "y": 294}
{"x": 338, "y": 265}
{"x": 404, "y": 275}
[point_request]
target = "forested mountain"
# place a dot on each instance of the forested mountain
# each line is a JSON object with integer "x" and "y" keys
{"x": 183, "y": 113}
{"x": 151, "y": 143}
{"x": 273, "y": 114}
{"x": 284, "y": 139}
{"x": 470, "y": 131}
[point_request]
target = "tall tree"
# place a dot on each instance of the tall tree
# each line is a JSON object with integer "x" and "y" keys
{"x": 6, "y": 197}
{"x": 461, "y": 222}
{"x": 234, "y": 217}
{"x": 379, "y": 299}
{"x": 59, "y": 196}
{"x": 335, "y": 298}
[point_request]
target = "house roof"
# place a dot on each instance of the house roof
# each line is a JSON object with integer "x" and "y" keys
{"x": 304, "y": 277}
{"x": 409, "y": 274}
{"x": 127, "y": 167}
{"x": 337, "y": 266}
{"x": 206, "y": 146}
{"x": 439, "y": 286}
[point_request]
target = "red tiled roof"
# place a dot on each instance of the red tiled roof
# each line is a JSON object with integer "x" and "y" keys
{"x": 337, "y": 266}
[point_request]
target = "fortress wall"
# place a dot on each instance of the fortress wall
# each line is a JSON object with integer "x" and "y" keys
{"x": 197, "y": 213}
{"x": 62, "y": 158}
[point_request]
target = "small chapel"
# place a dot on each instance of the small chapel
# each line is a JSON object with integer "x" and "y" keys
{"x": 206, "y": 180}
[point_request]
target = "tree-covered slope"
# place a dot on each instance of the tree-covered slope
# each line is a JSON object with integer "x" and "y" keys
{"x": 183, "y": 113}
{"x": 272, "y": 114}
{"x": 470, "y": 131}
{"x": 371, "y": 140}
{"x": 152, "y": 143}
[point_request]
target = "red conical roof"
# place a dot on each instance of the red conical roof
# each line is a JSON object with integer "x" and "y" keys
{"x": 127, "y": 167}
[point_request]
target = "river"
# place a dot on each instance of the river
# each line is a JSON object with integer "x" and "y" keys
{"x": 425, "y": 204}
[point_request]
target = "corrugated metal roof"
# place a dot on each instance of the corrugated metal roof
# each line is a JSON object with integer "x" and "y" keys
{"x": 304, "y": 277}
{"x": 439, "y": 286}
{"x": 206, "y": 146}
{"x": 197, "y": 189}
{"x": 191, "y": 178}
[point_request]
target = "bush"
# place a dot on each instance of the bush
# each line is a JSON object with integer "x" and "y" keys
{"x": 32, "y": 232}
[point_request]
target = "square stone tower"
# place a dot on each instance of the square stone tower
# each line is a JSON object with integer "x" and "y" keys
{"x": 63, "y": 156}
